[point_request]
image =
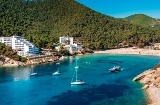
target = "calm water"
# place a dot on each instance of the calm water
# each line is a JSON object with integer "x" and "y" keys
{"x": 17, "y": 87}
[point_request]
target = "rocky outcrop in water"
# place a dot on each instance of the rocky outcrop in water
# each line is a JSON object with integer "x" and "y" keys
{"x": 151, "y": 80}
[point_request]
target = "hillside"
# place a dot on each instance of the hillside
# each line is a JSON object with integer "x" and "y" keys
{"x": 42, "y": 22}
{"x": 144, "y": 20}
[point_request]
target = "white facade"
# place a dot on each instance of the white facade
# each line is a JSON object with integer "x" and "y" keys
{"x": 79, "y": 46}
{"x": 71, "y": 46}
{"x": 6, "y": 40}
{"x": 62, "y": 40}
{"x": 21, "y": 45}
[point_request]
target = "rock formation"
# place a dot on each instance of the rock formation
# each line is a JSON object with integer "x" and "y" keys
{"x": 151, "y": 80}
{"x": 5, "y": 61}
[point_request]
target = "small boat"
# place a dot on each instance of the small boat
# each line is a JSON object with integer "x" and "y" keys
{"x": 77, "y": 82}
{"x": 57, "y": 72}
{"x": 76, "y": 67}
{"x": 115, "y": 69}
{"x": 32, "y": 72}
{"x": 58, "y": 63}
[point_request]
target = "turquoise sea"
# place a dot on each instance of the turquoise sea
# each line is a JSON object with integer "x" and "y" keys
{"x": 17, "y": 87}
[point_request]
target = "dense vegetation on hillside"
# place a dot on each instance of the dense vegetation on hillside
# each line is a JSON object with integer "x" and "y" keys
{"x": 7, "y": 51}
{"x": 43, "y": 22}
{"x": 144, "y": 20}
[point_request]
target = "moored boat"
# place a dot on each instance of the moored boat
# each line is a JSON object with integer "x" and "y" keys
{"x": 78, "y": 82}
{"x": 56, "y": 73}
{"x": 115, "y": 69}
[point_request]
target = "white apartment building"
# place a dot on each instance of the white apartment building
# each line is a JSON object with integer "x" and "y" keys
{"x": 71, "y": 46}
{"x": 20, "y": 45}
{"x": 6, "y": 40}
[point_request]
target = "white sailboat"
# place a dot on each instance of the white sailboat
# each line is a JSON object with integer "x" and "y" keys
{"x": 32, "y": 72}
{"x": 77, "y": 82}
{"x": 76, "y": 65}
{"x": 57, "y": 72}
{"x": 58, "y": 63}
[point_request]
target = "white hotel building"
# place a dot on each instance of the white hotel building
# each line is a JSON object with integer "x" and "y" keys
{"x": 71, "y": 46}
{"x": 20, "y": 45}
{"x": 62, "y": 40}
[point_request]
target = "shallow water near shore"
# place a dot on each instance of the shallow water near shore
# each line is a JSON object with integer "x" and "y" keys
{"x": 17, "y": 87}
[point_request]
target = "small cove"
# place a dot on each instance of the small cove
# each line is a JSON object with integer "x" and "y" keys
{"x": 102, "y": 87}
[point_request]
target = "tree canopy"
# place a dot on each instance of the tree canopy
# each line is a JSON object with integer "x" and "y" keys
{"x": 143, "y": 20}
{"x": 44, "y": 21}
{"x": 7, "y": 51}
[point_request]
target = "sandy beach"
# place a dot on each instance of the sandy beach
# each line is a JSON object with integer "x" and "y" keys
{"x": 131, "y": 51}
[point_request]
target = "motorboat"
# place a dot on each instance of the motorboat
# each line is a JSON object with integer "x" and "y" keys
{"x": 115, "y": 69}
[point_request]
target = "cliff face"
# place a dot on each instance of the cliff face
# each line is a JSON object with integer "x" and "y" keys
{"x": 151, "y": 81}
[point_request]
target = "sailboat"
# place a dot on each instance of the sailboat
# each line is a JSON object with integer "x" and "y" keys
{"x": 77, "y": 82}
{"x": 58, "y": 63}
{"x": 76, "y": 65}
{"x": 57, "y": 72}
{"x": 32, "y": 73}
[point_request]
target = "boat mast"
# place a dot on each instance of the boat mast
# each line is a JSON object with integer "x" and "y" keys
{"x": 31, "y": 69}
{"x": 76, "y": 62}
{"x": 76, "y": 74}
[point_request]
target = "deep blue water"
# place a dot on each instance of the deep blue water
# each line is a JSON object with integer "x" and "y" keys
{"x": 17, "y": 87}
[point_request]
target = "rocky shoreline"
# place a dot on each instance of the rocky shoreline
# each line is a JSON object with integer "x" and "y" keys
{"x": 149, "y": 78}
{"x": 151, "y": 81}
{"x": 8, "y": 62}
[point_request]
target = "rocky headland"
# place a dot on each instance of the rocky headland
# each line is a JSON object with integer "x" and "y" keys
{"x": 151, "y": 81}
